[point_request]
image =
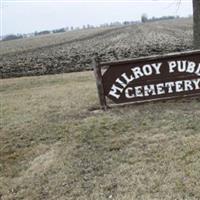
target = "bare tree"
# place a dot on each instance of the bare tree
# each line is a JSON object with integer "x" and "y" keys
{"x": 144, "y": 18}
{"x": 196, "y": 21}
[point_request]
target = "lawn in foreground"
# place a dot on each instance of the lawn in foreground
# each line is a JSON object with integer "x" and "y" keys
{"x": 54, "y": 146}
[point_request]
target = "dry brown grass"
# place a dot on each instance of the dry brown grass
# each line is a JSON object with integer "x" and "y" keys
{"x": 53, "y": 147}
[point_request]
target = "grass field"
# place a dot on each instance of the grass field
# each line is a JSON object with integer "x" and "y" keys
{"x": 54, "y": 144}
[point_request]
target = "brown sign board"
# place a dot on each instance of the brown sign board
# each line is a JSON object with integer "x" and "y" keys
{"x": 149, "y": 78}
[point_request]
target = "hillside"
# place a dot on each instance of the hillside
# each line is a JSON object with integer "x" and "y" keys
{"x": 73, "y": 51}
{"x": 54, "y": 144}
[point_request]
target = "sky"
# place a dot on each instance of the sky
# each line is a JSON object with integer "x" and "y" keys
{"x": 27, "y": 16}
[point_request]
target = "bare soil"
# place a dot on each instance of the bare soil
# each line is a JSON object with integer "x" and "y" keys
{"x": 74, "y": 51}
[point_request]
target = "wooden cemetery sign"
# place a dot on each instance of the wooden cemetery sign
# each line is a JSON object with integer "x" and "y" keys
{"x": 149, "y": 78}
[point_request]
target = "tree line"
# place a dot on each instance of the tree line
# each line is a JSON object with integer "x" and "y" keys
{"x": 144, "y": 19}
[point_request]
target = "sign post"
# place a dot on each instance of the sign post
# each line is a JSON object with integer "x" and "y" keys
{"x": 99, "y": 84}
{"x": 149, "y": 78}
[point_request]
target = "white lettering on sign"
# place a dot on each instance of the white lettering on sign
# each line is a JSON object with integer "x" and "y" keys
{"x": 137, "y": 72}
{"x": 181, "y": 66}
{"x": 184, "y": 66}
{"x": 162, "y": 88}
{"x": 149, "y": 90}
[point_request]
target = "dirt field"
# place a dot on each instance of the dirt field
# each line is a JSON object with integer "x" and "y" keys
{"x": 73, "y": 51}
{"x": 55, "y": 145}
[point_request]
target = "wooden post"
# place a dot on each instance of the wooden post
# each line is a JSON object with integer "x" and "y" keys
{"x": 99, "y": 83}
